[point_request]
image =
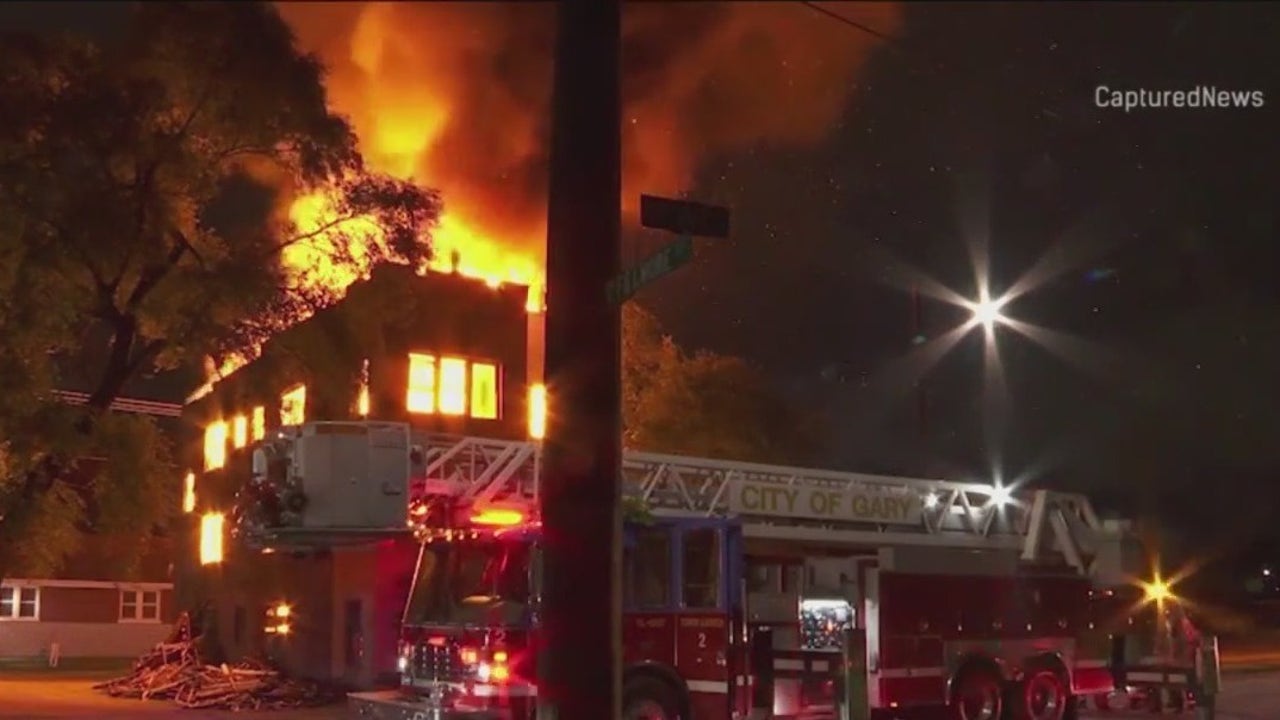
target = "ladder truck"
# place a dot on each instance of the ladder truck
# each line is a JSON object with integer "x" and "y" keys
{"x": 963, "y": 600}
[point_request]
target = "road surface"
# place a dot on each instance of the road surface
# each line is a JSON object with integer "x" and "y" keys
{"x": 1251, "y": 696}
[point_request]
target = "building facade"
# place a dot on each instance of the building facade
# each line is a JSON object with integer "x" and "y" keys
{"x": 441, "y": 352}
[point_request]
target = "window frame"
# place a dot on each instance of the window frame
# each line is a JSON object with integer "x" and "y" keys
{"x": 139, "y": 603}
{"x": 15, "y": 615}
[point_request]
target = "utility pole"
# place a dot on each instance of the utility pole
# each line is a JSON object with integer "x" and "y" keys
{"x": 581, "y": 458}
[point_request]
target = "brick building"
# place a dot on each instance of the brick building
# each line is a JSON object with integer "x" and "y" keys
{"x": 442, "y": 352}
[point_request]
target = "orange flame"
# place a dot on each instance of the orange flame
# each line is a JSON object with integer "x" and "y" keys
{"x": 457, "y": 96}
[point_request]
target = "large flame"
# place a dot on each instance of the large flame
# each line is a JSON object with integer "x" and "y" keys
{"x": 457, "y": 95}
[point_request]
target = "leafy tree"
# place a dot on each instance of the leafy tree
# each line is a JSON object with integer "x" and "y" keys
{"x": 141, "y": 181}
{"x": 703, "y": 404}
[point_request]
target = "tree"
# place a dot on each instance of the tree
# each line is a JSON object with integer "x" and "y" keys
{"x": 703, "y": 404}
{"x": 143, "y": 187}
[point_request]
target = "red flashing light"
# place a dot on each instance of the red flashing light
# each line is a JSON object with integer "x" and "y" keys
{"x": 498, "y": 517}
{"x": 469, "y": 656}
{"x": 436, "y": 641}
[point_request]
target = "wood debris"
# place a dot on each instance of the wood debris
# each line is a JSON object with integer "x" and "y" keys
{"x": 174, "y": 671}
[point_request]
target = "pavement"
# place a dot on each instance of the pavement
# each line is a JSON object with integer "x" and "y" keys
{"x": 31, "y": 696}
{"x": 26, "y": 696}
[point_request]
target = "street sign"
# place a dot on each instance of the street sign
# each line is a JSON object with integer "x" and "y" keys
{"x": 655, "y": 266}
{"x": 684, "y": 217}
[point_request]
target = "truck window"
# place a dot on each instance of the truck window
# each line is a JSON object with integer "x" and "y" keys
{"x": 701, "y": 568}
{"x": 647, "y": 570}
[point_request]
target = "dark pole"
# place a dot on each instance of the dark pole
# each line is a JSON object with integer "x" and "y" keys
{"x": 581, "y": 459}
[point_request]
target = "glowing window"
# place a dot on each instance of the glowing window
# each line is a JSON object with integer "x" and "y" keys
{"x": 189, "y": 493}
{"x": 484, "y": 391}
{"x": 293, "y": 406}
{"x": 239, "y": 431}
{"x": 259, "y": 424}
{"x": 211, "y": 538}
{"x": 453, "y": 386}
{"x": 421, "y": 394}
{"x": 537, "y": 411}
{"x": 215, "y": 445}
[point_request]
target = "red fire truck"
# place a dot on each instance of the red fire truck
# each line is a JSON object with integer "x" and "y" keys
{"x": 972, "y": 600}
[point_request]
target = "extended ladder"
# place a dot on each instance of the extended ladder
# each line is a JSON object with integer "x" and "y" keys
{"x": 788, "y": 503}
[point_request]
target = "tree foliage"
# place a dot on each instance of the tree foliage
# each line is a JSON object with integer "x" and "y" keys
{"x": 144, "y": 183}
{"x": 704, "y": 404}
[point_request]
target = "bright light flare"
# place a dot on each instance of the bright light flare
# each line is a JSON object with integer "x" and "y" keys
{"x": 988, "y": 312}
{"x": 1001, "y": 495}
{"x": 1158, "y": 591}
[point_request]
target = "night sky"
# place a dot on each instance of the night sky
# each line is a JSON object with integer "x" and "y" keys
{"x": 980, "y": 126}
{"x": 1162, "y": 386}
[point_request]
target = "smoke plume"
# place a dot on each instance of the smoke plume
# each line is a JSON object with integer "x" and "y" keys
{"x": 456, "y": 95}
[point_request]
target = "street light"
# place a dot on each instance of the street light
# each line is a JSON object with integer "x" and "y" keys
{"x": 986, "y": 312}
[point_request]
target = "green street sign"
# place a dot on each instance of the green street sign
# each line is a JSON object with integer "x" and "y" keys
{"x": 628, "y": 282}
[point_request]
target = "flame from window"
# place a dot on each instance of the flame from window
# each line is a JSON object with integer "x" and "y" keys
{"x": 239, "y": 431}
{"x": 421, "y": 393}
{"x": 293, "y": 406}
{"x": 453, "y": 386}
{"x": 215, "y": 445}
{"x": 537, "y": 411}
{"x": 211, "y": 527}
{"x": 259, "y": 429}
{"x": 189, "y": 493}
{"x": 484, "y": 391}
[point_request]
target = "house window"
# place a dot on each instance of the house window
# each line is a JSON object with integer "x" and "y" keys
{"x": 453, "y": 386}
{"x": 421, "y": 395}
{"x": 484, "y": 391}
{"x": 362, "y": 395}
{"x": 259, "y": 423}
{"x": 215, "y": 445}
{"x": 19, "y": 603}
{"x": 239, "y": 431}
{"x": 139, "y": 606}
{"x": 189, "y": 493}
{"x": 293, "y": 406}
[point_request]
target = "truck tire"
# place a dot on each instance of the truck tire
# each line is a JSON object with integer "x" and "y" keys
{"x": 648, "y": 698}
{"x": 1041, "y": 696}
{"x": 978, "y": 696}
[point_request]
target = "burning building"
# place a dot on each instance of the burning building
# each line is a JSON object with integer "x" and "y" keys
{"x": 446, "y": 354}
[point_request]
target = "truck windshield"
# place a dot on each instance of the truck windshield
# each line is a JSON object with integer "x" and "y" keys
{"x": 471, "y": 582}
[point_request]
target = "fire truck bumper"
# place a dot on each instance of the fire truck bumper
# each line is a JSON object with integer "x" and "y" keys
{"x": 395, "y": 705}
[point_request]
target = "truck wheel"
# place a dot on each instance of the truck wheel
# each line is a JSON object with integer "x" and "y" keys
{"x": 977, "y": 696}
{"x": 647, "y": 698}
{"x": 1043, "y": 697}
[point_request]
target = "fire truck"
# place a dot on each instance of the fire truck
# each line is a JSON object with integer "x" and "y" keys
{"x": 965, "y": 600}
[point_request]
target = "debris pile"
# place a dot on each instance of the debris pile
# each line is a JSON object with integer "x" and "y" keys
{"x": 174, "y": 671}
